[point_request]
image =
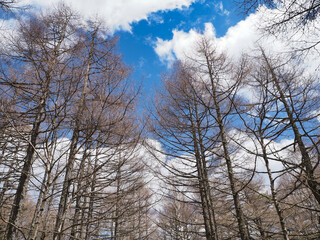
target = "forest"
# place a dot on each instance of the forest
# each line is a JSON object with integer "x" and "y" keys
{"x": 226, "y": 148}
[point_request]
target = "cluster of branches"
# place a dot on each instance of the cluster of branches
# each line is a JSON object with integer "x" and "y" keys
{"x": 70, "y": 165}
{"x": 242, "y": 147}
{"x": 303, "y": 9}
{"x": 6, "y": 5}
{"x": 294, "y": 20}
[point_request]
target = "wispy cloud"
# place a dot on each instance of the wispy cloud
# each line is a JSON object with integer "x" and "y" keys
{"x": 220, "y": 9}
{"x": 155, "y": 18}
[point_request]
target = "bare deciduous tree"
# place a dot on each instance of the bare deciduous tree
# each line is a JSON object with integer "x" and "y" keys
{"x": 183, "y": 127}
{"x": 289, "y": 18}
{"x": 220, "y": 83}
{"x": 37, "y": 50}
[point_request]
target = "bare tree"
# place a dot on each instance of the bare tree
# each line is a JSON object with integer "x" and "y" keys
{"x": 179, "y": 219}
{"x": 102, "y": 116}
{"x": 220, "y": 83}
{"x": 260, "y": 125}
{"x": 38, "y": 47}
{"x": 298, "y": 100}
{"x": 184, "y": 128}
{"x": 294, "y": 20}
{"x": 303, "y": 11}
{"x": 284, "y": 105}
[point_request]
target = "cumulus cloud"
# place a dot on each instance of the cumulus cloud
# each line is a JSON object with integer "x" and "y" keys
{"x": 181, "y": 45}
{"x": 279, "y": 152}
{"x": 244, "y": 37}
{"x": 117, "y": 14}
{"x": 238, "y": 39}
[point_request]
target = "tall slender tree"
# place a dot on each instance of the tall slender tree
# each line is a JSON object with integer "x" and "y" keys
{"x": 37, "y": 50}
{"x": 221, "y": 83}
{"x": 183, "y": 126}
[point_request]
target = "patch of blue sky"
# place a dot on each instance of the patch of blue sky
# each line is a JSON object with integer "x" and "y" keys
{"x": 137, "y": 46}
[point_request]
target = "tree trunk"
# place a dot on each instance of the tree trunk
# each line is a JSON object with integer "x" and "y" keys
{"x": 11, "y": 227}
{"x": 204, "y": 188}
{"x": 73, "y": 151}
{"x": 273, "y": 193}
{"x": 79, "y": 195}
{"x": 244, "y": 234}
{"x": 306, "y": 160}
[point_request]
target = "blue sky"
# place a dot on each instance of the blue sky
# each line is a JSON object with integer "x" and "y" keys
{"x": 138, "y": 45}
{"x": 140, "y": 24}
{"x": 154, "y": 33}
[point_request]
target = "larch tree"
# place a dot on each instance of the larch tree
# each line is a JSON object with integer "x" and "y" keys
{"x": 35, "y": 56}
{"x": 101, "y": 116}
{"x": 72, "y": 112}
{"x": 284, "y": 106}
{"x": 220, "y": 82}
{"x": 184, "y": 128}
{"x": 300, "y": 102}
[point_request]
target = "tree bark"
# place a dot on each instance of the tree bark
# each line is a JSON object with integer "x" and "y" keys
{"x": 204, "y": 187}
{"x": 306, "y": 160}
{"x": 244, "y": 234}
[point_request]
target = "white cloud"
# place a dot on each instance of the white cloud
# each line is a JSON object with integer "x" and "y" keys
{"x": 154, "y": 17}
{"x": 181, "y": 45}
{"x": 220, "y": 9}
{"x": 244, "y": 37}
{"x": 118, "y": 14}
{"x": 241, "y": 38}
